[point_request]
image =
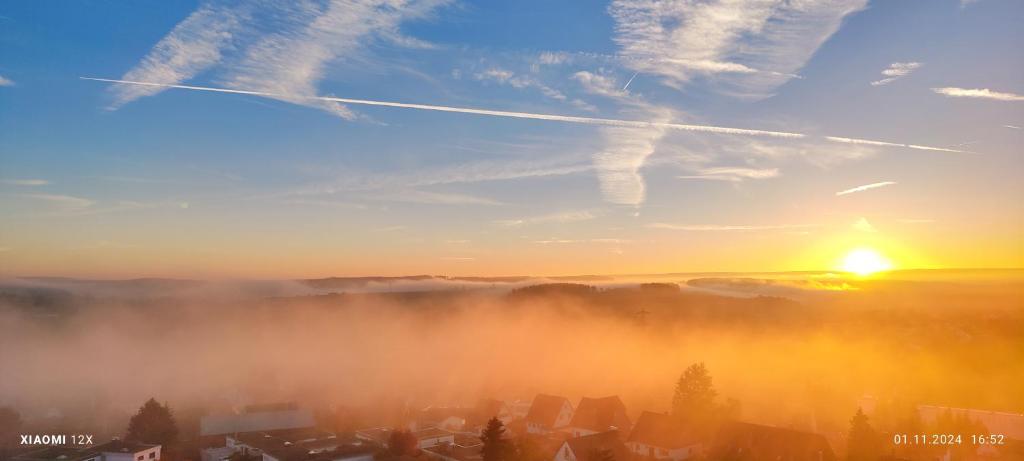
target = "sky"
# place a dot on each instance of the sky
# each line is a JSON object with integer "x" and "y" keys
{"x": 246, "y": 139}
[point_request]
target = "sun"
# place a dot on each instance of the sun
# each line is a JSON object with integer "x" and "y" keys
{"x": 865, "y": 261}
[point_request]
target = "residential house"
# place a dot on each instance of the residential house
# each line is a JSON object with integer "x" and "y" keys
{"x": 548, "y": 413}
{"x": 115, "y": 450}
{"x": 752, "y": 442}
{"x": 593, "y": 416}
{"x": 661, "y": 437}
{"x": 603, "y": 446}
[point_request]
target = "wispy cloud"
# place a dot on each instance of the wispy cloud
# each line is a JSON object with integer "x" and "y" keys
{"x": 865, "y": 187}
{"x": 288, "y": 62}
{"x": 4, "y": 81}
{"x": 66, "y": 202}
{"x": 727, "y": 227}
{"x": 192, "y": 46}
{"x": 1012, "y": 127}
{"x": 896, "y": 71}
{"x": 756, "y": 44}
{"x": 734, "y": 174}
{"x": 560, "y": 218}
{"x": 507, "y": 77}
{"x": 436, "y": 198}
{"x": 24, "y": 182}
{"x": 982, "y": 93}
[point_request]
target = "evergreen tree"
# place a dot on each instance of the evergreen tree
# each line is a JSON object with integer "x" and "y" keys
{"x": 862, "y": 442}
{"x": 154, "y": 423}
{"x": 694, "y": 398}
{"x": 495, "y": 447}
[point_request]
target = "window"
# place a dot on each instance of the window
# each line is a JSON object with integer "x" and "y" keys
{"x": 139, "y": 458}
{"x": 152, "y": 455}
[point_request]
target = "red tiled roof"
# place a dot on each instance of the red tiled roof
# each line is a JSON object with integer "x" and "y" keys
{"x": 601, "y": 414}
{"x": 545, "y": 409}
{"x": 662, "y": 431}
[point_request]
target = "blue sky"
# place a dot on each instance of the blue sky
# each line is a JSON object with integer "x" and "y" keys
{"x": 112, "y": 180}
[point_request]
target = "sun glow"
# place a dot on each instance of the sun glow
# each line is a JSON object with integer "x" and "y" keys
{"x": 865, "y": 261}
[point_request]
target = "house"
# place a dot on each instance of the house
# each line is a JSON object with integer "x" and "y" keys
{"x": 489, "y": 408}
{"x": 662, "y": 437}
{"x": 752, "y": 442}
{"x": 261, "y": 418}
{"x": 466, "y": 447}
{"x": 599, "y": 415}
{"x": 115, "y": 450}
{"x": 602, "y": 446}
{"x": 1011, "y": 425}
{"x": 447, "y": 418}
{"x": 300, "y": 444}
{"x": 548, "y": 413}
{"x": 433, "y": 436}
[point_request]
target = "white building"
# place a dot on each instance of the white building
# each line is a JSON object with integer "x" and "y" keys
{"x": 548, "y": 413}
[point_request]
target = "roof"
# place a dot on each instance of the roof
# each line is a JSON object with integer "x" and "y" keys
{"x": 662, "y": 431}
{"x": 746, "y": 441}
{"x": 73, "y": 453}
{"x": 1009, "y": 424}
{"x": 256, "y": 421}
{"x": 431, "y": 432}
{"x": 587, "y": 448}
{"x": 601, "y": 414}
{"x": 303, "y": 445}
{"x": 545, "y": 409}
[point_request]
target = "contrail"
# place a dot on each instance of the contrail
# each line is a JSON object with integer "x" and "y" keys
{"x": 630, "y": 81}
{"x": 531, "y": 116}
{"x": 866, "y": 187}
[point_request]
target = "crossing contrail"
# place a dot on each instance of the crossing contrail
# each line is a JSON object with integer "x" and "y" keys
{"x": 531, "y": 116}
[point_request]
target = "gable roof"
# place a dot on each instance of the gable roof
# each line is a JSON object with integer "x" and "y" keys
{"x": 588, "y": 447}
{"x": 601, "y": 414}
{"x": 545, "y": 409}
{"x": 662, "y": 431}
{"x": 754, "y": 441}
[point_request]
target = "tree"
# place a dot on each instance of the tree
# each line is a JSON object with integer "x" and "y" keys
{"x": 154, "y": 423}
{"x": 694, "y": 399}
{"x": 862, "y": 442}
{"x": 10, "y": 427}
{"x": 495, "y": 447}
{"x": 402, "y": 443}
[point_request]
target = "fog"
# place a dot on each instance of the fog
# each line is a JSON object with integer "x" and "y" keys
{"x": 796, "y": 350}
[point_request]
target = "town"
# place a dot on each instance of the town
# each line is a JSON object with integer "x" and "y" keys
{"x": 548, "y": 427}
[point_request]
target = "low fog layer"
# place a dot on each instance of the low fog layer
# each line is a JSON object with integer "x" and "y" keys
{"x": 798, "y": 350}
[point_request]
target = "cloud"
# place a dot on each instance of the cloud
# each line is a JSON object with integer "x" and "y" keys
{"x": 753, "y": 45}
{"x": 507, "y": 77}
{"x": 4, "y": 81}
{"x": 24, "y": 182}
{"x": 560, "y": 218}
{"x": 601, "y": 85}
{"x": 1012, "y": 127}
{"x": 65, "y": 202}
{"x": 866, "y": 187}
{"x": 286, "y": 63}
{"x": 727, "y": 227}
{"x": 983, "y": 93}
{"x": 625, "y": 152}
{"x": 734, "y": 174}
{"x": 436, "y": 198}
{"x": 863, "y": 225}
{"x": 192, "y": 46}
{"x": 896, "y": 71}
